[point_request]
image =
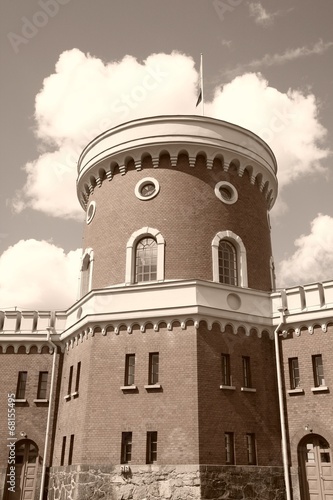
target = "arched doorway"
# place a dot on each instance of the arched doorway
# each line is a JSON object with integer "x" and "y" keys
{"x": 26, "y": 464}
{"x": 316, "y": 467}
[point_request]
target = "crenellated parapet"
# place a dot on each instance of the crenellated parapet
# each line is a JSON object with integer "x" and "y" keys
{"x": 164, "y": 305}
{"x": 305, "y": 307}
{"x": 142, "y": 143}
{"x": 30, "y": 330}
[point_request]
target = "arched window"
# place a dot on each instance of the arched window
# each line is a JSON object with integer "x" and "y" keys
{"x": 228, "y": 272}
{"x": 146, "y": 260}
{"x": 86, "y": 271}
{"x": 229, "y": 259}
{"x": 145, "y": 256}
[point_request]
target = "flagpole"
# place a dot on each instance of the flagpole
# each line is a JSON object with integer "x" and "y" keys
{"x": 201, "y": 84}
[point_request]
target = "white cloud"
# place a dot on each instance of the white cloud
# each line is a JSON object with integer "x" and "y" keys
{"x": 85, "y": 96}
{"x": 288, "y": 122}
{"x": 226, "y": 43}
{"x": 261, "y": 16}
{"x": 277, "y": 59}
{"x": 38, "y": 275}
{"x": 313, "y": 256}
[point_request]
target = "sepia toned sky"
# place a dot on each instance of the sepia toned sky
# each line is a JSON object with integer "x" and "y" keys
{"x": 73, "y": 68}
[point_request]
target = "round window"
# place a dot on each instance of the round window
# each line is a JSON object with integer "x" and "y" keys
{"x": 90, "y": 211}
{"x": 147, "y": 188}
{"x": 226, "y": 192}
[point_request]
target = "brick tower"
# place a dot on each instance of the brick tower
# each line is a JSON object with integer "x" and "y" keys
{"x": 168, "y": 382}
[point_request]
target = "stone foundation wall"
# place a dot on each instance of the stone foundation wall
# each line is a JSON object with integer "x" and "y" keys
{"x": 242, "y": 483}
{"x": 187, "y": 482}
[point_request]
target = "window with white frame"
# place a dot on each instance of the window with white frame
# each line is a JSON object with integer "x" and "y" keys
{"x": 228, "y": 272}
{"x": 229, "y": 259}
{"x": 225, "y": 365}
{"x": 294, "y": 375}
{"x": 145, "y": 256}
{"x": 146, "y": 260}
{"x": 251, "y": 448}
{"x": 318, "y": 370}
{"x": 86, "y": 271}
{"x": 229, "y": 448}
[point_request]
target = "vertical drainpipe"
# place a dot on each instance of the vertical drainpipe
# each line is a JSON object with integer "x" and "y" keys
{"x": 282, "y": 311}
{"x": 49, "y": 413}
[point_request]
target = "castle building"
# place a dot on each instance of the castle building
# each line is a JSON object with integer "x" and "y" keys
{"x": 180, "y": 372}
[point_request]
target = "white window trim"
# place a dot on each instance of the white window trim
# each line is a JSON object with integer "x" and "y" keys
{"x": 130, "y": 253}
{"x": 88, "y": 254}
{"x": 241, "y": 256}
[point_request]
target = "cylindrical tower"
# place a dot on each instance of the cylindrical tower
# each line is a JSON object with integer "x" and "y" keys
{"x": 169, "y": 372}
{"x": 192, "y": 181}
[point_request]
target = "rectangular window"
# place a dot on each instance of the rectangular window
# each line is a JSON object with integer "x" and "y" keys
{"x": 318, "y": 370}
{"x": 78, "y": 372}
{"x": 70, "y": 379}
{"x": 63, "y": 451}
{"x": 226, "y": 377}
{"x": 251, "y": 449}
{"x": 71, "y": 448}
{"x": 21, "y": 385}
{"x": 229, "y": 448}
{"x": 129, "y": 369}
{"x": 246, "y": 372}
{"x": 42, "y": 385}
{"x": 151, "y": 447}
{"x": 153, "y": 368}
{"x": 294, "y": 373}
{"x": 126, "y": 447}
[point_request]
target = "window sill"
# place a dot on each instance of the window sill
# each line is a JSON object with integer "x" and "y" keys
{"x": 296, "y": 391}
{"x": 128, "y": 387}
{"x": 67, "y": 397}
{"x": 153, "y": 386}
{"x": 228, "y": 387}
{"x": 248, "y": 389}
{"x": 21, "y": 400}
{"x": 321, "y": 388}
{"x": 41, "y": 401}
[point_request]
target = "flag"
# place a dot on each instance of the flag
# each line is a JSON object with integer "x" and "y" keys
{"x": 200, "y": 95}
{"x": 199, "y": 98}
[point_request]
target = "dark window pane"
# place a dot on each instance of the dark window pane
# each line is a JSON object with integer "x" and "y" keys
{"x": 227, "y": 258}
{"x": 151, "y": 447}
{"x": 21, "y": 385}
{"x": 126, "y": 447}
{"x": 129, "y": 369}
{"x": 42, "y": 385}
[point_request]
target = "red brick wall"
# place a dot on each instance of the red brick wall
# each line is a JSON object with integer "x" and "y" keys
{"x": 30, "y": 417}
{"x": 310, "y": 408}
{"x": 223, "y": 410}
{"x": 187, "y": 213}
{"x": 103, "y": 411}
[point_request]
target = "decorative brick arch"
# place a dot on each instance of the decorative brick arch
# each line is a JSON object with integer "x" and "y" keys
{"x": 241, "y": 256}
{"x": 130, "y": 253}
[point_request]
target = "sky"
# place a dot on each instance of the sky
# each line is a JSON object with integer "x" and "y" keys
{"x": 71, "y": 69}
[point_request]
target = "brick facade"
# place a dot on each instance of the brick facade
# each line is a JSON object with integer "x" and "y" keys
{"x": 188, "y": 215}
{"x": 215, "y": 438}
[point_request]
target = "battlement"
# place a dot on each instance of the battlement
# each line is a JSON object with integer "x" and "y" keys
{"x": 302, "y": 304}
{"x": 23, "y": 322}
{"x": 309, "y": 302}
{"x": 113, "y": 151}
